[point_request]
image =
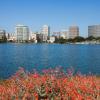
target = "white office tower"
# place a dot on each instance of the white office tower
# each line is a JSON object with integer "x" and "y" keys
{"x": 45, "y": 31}
{"x": 22, "y": 33}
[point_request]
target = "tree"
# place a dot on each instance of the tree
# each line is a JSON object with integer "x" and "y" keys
{"x": 98, "y": 38}
{"x": 70, "y": 40}
{"x": 90, "y": 38}
{"x": 60, "y": 40}
{"x": 4, "y": 39}
{"x": 79, "y": 39}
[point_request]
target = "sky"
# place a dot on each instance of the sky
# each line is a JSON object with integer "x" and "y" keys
{"x": 58, "y": 14}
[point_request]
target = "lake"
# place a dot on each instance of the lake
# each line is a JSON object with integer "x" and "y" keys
{"x": 83, "y": 58}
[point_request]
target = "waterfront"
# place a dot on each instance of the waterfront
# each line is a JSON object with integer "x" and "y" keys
{"x": 83, "y": 58}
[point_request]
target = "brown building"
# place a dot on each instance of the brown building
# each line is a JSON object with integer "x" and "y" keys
{"x": 73, "y": 32}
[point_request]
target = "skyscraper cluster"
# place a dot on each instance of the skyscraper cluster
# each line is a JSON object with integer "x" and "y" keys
{"x": 23, "y": 34}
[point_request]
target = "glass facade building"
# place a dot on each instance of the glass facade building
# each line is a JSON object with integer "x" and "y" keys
{"x": 94, "y": 30}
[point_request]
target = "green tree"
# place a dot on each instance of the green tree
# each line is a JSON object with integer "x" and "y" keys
{"x": 4, "y": 39}
{"x": 79, "y": 39}
{"x": 90, "y": 38}
{"x": 60, "y": 40}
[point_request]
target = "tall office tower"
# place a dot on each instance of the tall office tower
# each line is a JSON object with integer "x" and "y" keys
{"x": 2, "y": 35}
{"x": 73, "y": 32}
{"x": 22, "y": 33}
{"x": 45, "y": 31}
{"x": 94, "y": 30}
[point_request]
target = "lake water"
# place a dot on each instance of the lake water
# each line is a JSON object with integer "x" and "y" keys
{"x": 83, "y": 58}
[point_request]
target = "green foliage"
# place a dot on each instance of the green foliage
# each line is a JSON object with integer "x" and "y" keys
{"x": 90, "y": 38}
{"x": 4, "y": 39}
{"x": 78, "y": 39}
{"x": 60, "y": 40}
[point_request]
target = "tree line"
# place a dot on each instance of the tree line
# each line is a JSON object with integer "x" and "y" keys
{"x": 76, "y": 39}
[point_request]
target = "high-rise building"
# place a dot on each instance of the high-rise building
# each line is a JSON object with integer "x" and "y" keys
{"x": 22, "y": 33}
{"x": 2, "y": 35}
{"x": 45, "y": 31}
{"x": 94, "y": 30}
{"x": 73, "y": 32}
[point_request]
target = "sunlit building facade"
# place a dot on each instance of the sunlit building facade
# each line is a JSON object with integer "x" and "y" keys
{"x": 45, "y": 31}
{"x": 22, "y": 33}
{"x": 64, "y": 34}
{"x": 73, "y": 32}
{"x": 94, "y": 30}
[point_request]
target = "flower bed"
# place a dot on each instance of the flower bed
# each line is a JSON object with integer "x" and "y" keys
{"x": 52, "y": 84}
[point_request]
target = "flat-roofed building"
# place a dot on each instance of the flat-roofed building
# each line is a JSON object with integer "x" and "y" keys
{"x": 45, "y": 31}
{"x": 73, "y": 32}
{"x": 94, "y": 30}
{"x": 64, "y": 34}
{"x": 56, "y": 34}
{"x": 22, "y": 33}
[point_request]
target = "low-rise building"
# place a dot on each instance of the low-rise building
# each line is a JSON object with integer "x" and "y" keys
{"x": 33, "y": 36}
{"x": 56, "y": 34}
{"x": 11, "y": 37}
{"x": 64, "y": 34}
{"x": 51, "y": 39}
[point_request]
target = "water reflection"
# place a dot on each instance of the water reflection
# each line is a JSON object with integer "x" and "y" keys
{"x": 83, "y": 58}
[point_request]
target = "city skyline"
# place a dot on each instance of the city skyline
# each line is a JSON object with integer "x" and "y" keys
{"x": 58, "y": 14}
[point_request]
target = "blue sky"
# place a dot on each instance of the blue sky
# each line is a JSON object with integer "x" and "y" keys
{"x": 59, "y": 14}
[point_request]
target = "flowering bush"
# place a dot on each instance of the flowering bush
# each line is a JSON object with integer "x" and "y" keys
{"x": 52, "y": 84}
